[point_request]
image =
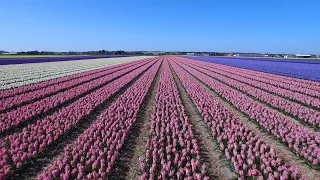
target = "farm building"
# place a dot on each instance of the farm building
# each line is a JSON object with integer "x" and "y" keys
{"x": 303, "y": 55}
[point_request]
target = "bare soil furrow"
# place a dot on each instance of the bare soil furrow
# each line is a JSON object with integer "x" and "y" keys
{"x": 280, "y": 112}
{"x": 87, "y": 74}
{"x": 40, "y": 116}
{"x": 127, "y": 164}
{"x": 281, "y": 150}
{"x": 209, "y": 150}
{"x": 58, "y": 91}
{"x": 33, "y": 167}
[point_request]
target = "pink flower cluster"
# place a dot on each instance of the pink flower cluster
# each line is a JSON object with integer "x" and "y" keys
{"x": 299, "y": 139}
{"x": 40, "y": 93}
{"x": 249, "y": 155}
{"x": 302, "y": 98}
{"x": 305, "y": 114}
{"x": 5, "y": 167}
{"x": 172, "y": 151}
{"x": 15, "y": 117}
{"x": 32, "y": 87}
{"x": 278, "y": 81}
{"x": 94, "y": 153}
{"x": 34, "y": 138}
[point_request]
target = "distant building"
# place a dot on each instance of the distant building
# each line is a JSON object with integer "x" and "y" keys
{"x": 249, "y": 55}
{"x": 303, "y": 55}
{"x": 205, "y": 54}
{"x": 153, "y": 52}
{"x": 4, "y": 52}
{"x": 191, "y": 54}
{"x": 7, "y": 53}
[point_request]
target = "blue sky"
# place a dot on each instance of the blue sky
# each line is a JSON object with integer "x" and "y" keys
{"x": 266, "y": 26}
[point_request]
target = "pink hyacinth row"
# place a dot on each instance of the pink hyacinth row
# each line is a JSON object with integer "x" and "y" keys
{"x": 40, "y": 93}
{"x": 285, "y": 80}
{"x": 35, "y": 86}
{"x": 308, "y": 90}
{"x": 5, "y": 167}
{"x": 301, "y": 98}
{"x": 172, "y": 151}
{"x": 13, "y": 118}
{"x": 34, "y": 138}
{"x": 299, "y": 139}
{"x": 94, "y": 153}
{"x": 305, "y": 114}
{"x": 249, "y": 155}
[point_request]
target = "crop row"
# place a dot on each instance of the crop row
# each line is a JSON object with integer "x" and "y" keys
{"x": 33, "y": 59}
{"x": 299, "y": 139}
{"x": 94, "y": 153}
{"x": 14, "y": 118}
{"x": 172, "y": 151}
{"x": 301, "y": 98}
{"x": 280, "y": 82}
{"x": 32, "y": 87}
{"x": 304, "y": 113}
{"x": 18, "y": 75}
{"x": 11, "y": 72}
{"x": 262, "y": 71}
{"x": 28, "y": 97}
{"x": 305, "y": 70}
{"x": 249, "y": 155}
{"x": 35, "y": 138}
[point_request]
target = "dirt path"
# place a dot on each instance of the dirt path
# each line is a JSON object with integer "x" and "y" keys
{"x": 127, "y": 165}
{"x": 43, "y": 160}
{"x": 281, "y": 150}
{"x": 209, "y": 151}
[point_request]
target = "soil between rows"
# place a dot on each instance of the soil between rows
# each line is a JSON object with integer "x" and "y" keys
{"x": 251, "y": 78}
{"x": 282, "y": 151}
{"x": 33, "y": 167}
{"x": 100, "y": 68}
{"x": 51, "y": 111}
{"x": 127, "y": 164}
{"x": 49, "y": 75}
{"x": 279, "y": 111}
{"x": 209, "y": 150}
{"x": 58, "y": 91}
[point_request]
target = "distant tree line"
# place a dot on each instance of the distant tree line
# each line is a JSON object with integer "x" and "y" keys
{"x": 119, "y": 52}
{"x": 35, "y": 53}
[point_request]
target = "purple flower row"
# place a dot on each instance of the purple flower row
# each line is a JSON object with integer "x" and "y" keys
{"x": 302, "y": 98}
{"x": 309, "y": 73}
{"x": 304, "y": 113}
{"x": 309, "y": 90}
{"x": 50, "y": 59}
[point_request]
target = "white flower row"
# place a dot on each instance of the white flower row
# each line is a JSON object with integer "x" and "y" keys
{"x": 23, "y": 74}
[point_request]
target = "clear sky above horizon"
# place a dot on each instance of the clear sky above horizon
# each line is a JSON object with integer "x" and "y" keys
{"x": 276, "y": 26}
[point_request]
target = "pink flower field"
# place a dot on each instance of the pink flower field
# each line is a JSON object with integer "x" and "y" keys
{"x": 162, "y": 117}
